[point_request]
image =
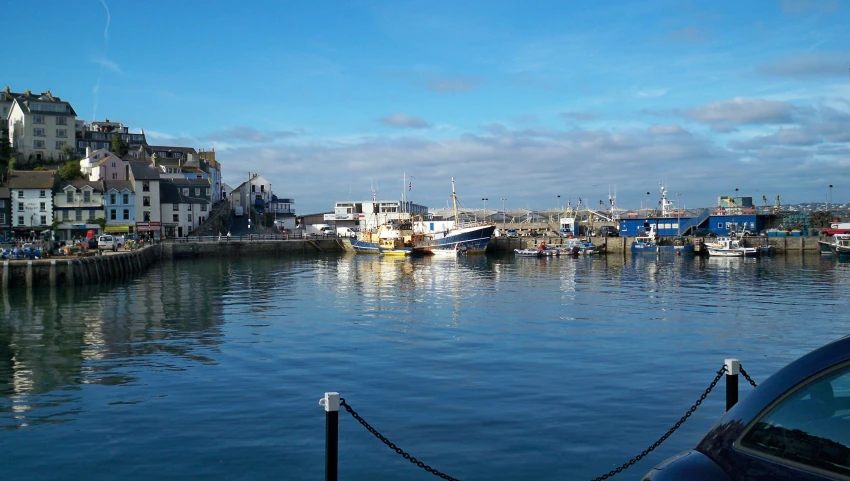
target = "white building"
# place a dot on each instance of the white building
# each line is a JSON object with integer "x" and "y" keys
{"x": 77, "y": 204}
{"x": 32, "y": 201}
{"x": 39, "y": 126}
{"x": 365, "y": 215}
{"x": 255, "y": 192}
{"x": 148, "y": 215}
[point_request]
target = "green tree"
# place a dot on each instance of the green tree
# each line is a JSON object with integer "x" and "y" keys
{"x": 70, "y": 171}
{"x": 68, "y": 152}
{"x": 101, "y": 221}
{"x": 118, "y": 147}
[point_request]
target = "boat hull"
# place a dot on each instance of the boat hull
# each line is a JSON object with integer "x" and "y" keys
{"x": 471, "y": 240}
{"x": 363, "y": 247}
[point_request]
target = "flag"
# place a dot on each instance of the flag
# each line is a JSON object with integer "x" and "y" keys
{"x": 409, "y": 186}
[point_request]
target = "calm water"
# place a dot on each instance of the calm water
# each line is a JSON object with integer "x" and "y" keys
{"x": 484, "y": 368}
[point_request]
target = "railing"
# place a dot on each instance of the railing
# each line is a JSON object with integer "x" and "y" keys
{"x": 332, "y": 401}
{"x": 245, "y": 237}
{"x": 694, "y": 223}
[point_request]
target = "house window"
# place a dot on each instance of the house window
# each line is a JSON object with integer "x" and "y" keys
{"x": 2, "y": 218}
{"x": 114, "y": 176}
{"x": 112, "y": 199}
{"x": 61, "y": 133}
{"x": 185, "y": 191}
{"x": 42, "y": 207}
{"x": 20, "y": 220}
{"x": 43, "y": 220}
{"x": 36, "y": 132}
{"x": 112, "y": 215}
{"x": 198, "y": 191}
{"x": 126, "y": 198}
{"x": 38, "y": 144}
{"x": 175, "y": 207}
{"x": 146, "y": 186}
{"x": 41, "y": 193}
{"x": 20, "y": 206}
{"x": 207, "y": 191}
{"x": 262, "y": 188}
{"x": 60, "y": 144}
{"x": 78, "y": 215}
{"x": 147, "y": 216}
{"x": 190, "y": 217}
{"x": 91, "y": 216}
{"x": 86, "y": 196}
{"x": 203, "y": 207}
{"x": 253, "y": 188}
{"x": 176, "y": 217}
{"x": 146, "y": 201}
{"x": 20, "y": 194}
{"x": 64, "y": 215}
{"x": 38, "y": 119}
{"x": 61, "y": 121}
{"x": 113, "y": 164}
{"x": 126, "y": 214}
{"x": 190, "y": 207}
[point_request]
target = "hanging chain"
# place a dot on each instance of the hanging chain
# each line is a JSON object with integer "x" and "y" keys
{"x": 747, "y": 377}
{"x": 668, "y": 433}
{"x": 393, "y": 446}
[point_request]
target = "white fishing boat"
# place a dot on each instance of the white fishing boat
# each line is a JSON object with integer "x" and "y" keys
{"x": 729, "y": 247}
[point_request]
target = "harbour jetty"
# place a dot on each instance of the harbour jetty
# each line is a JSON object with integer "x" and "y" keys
{"x": 68, "y": 271}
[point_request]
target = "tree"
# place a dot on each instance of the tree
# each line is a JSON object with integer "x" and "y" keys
{"x": 70, "y": 171}
{"x": 118, "y": 147}
{"x": 68, "y": 152}
{"x": 101, "y": 221}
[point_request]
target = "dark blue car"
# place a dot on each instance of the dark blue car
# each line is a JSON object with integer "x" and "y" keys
{"x": 794, "y": 426}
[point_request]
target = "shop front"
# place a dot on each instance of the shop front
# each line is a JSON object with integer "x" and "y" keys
{"x": 149, "y": 230}
{"x": 119, "y": 229}
{"x": 70, "y": 231}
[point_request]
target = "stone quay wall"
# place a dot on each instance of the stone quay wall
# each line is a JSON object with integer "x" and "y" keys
{"x": 68, "y": 271}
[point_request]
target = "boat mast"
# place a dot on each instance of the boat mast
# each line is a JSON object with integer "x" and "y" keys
{"x": 454, "y": 202}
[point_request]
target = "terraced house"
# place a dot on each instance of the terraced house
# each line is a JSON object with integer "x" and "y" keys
{"x": 40, "y": 125}
{"x": 120, "y": 206}
{"x": 32, "y": 202}
{"x": 5, "y": 213}
{"x": 77, "y": 206}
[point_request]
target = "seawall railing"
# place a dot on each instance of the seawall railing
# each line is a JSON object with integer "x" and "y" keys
{"x": 332, "y": 402}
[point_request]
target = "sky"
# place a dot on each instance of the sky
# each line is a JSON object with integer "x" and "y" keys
{"x": 530, "y": 105}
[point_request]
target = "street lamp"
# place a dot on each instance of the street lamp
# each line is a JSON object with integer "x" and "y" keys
{"x": 484, "y": 199}
{"x": 830, "y": 197}
{"x": 504, "y": 214}
{"x": 559, "y": 203}
{"x": 647, "y": 204}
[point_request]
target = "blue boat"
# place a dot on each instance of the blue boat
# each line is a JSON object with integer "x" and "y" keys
{"x": 470, "y": 237}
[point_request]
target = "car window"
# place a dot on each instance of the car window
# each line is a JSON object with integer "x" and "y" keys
{"x": 808, "y": 428}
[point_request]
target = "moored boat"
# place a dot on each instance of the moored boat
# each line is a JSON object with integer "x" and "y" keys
{"x": 650, "y": 244}
{"x": 471, "y": 237}
{"x": 729, "y": 247}
{"x": 395, "y": 238}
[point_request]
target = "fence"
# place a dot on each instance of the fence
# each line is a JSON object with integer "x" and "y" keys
{"x": 332, "y": 402}
{"x": 246, "y": 237}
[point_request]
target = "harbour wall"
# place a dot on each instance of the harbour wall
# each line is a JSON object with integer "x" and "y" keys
{"x": 622, "y": 245}
{"x": 65, "y": 271}
{"x": 225, "y": 248}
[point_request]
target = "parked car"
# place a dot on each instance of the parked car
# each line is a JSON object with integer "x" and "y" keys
{"x": 609, "y": 231}
{"x": 107, "y": 242}
{"x": 794, "y": 426}
{"x": 566, "y": 233}
{"x": 511, "y": 233}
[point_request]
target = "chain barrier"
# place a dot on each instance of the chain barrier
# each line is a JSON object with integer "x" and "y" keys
{"x": 393, "y": 446}
{"x": 676, "y": 426}
{"x": 747, "y": 376}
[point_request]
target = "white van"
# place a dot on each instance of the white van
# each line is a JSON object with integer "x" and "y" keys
{"x": 346, "y": 232}
{"x": 107, "y": 242}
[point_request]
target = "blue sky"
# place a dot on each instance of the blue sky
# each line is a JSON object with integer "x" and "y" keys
{"x": 526, "y": 101}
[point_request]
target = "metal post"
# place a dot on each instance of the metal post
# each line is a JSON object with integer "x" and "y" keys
{"x": 733, "y": 368}
{"x": 331, "y": 404}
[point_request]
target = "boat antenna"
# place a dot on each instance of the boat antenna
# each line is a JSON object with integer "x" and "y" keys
{"x": 454, "y": 202}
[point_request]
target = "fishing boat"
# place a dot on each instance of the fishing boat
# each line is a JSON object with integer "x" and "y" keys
{"x": 471, "y": 237}
{"x": 582, "y": 247}
{"x": 395, "y": 238}
{"x": 826, "y": 246}
{"x": 649, "y": 243}
{"x": 841, "y": 247}
{"x": 730, "y": 247}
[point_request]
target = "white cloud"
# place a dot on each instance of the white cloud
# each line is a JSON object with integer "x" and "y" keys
{"x": 103, "y": 62}
{"x": 404, "y": 121}
{"x": 742, "y": 110}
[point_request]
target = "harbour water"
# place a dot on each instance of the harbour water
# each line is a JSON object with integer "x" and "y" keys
{"x": 483, "y": 368}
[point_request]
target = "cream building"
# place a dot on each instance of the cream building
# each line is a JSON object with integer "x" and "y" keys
{"x": 40, "y": 125}
{"x": 77, "y": 204}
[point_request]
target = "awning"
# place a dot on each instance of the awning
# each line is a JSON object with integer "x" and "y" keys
{"x": 116, "y": 228}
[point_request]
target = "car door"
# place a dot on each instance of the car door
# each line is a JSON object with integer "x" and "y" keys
{"x": 804, "y": 435}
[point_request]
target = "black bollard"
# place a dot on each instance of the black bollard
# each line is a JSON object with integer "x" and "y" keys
{"x": 733, "y": 367}
{"x": 331, "y": 404}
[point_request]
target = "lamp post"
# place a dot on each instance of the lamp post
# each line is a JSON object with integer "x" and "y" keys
{"x": 503, "y": 213}
{"x": 829, "y": 202}
{"x": 484, "y": 200}
{"x": 647, "y": 204}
